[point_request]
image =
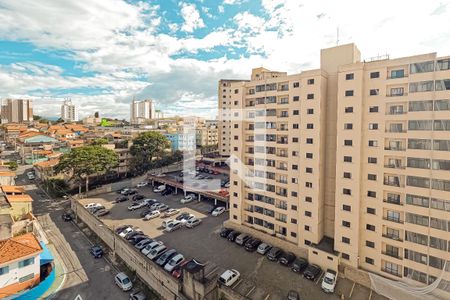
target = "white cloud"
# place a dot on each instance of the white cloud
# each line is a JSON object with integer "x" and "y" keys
{"x": 233, "y": 2}
{"x": 191, "y": 17}
{"x": 221, "y": 9}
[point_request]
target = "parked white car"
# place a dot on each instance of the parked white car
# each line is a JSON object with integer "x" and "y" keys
{"x": 329, "y": 281}
{"x": 186, "y": 219}
{"x": 141, "y": 184}
{"x": 165, "y": 223}
{"x": 174, "y": 262}
{"x": 229, "y": 277}
{"x": 157, "y": 252}
{"x": 30, "y": 175}
{"x": 218, "y": 211}
{"x": 171, "y": 212}
{"x": 126, "y": 231}
{"x": 173, "y": 226}
{"x": 159, "y": 189}
{"x": 137, "y": 205}
{"x": 152, "y": 215}
{"x": 92, "y": 205}
{"x": 123, "y": 282}
{"x": 147, "y": 249}
{"x": 188, "y": 198}
{"x": 193, "y": 222}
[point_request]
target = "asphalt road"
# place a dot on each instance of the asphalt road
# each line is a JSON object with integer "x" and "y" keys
{"x": 86, "y": 277}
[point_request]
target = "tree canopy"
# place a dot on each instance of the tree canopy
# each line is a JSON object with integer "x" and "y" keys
{"x": 85, "y": 161}
{"x": 146, "y": 147}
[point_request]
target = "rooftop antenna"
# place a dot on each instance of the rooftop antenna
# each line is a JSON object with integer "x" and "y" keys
{"x": 337, "y": 36}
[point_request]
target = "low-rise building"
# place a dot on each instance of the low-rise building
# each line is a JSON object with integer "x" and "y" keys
{"x": 14, "y": 201}
{"x": 19, "y": 264}
{"x": 7, "y": 178}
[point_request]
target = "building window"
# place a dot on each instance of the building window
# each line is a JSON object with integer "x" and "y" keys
{"x": 235, "y": 194}
{"x": 373, "y": 126}
{"x": 295, "y": 153}
{"x": 307, "y": 228}
{"x": 295, "y": 112}
{"x": 309, "y": 140}
{"x": 294, "y": 167}
{"x": 295, "y": 126}
{"x": 307, "y": 242}
{"x": 369, "y": 260}
{"x": 308, "y": 214}
{"x": 348, "y": 159}
{"x": 373, "y": 143}
{"x": 370, "y": 227}
{"x": 293, "y": 234}
{"x": 293, "y": 194}
{"x": 374, "y": 75}
{"x": 346, "y": 207}
{"x": 295, "y": 140}
{"x": 371, "y": 211}
{"x": 346, "y": 224}
{"x": 294, "y": 207}
{"x": 372, "y": 160}
{"x": 348, "y": 126}
{"x": 294, "y": 221}
{"x": 348, "y": 93}
{"x": 347, "y": 175}
{"x": 309, "y": 170}
{"x": 371, "y": 194}
{"x": 345, "y": 240}
{"x": 370, "y": 244}
{"x": 308, "y": 199}
{"x": 310, "y": 81}
{"x": 296, "y": 98}
{"x": 235, "y": 205}
{"x": 310, "y": 126}
{"x": 309, "y": 155}
{"x": 26, "y": 262}
{"x": 349, "y": 109}
{"x": 345, "y": 256}
{"x": 373, "y": 109}
{"x": 235, "y": 217}
{"x": 310, "y": 111}
{"x": 346, "y": 191}
{"x": 348, "y": 143}
{"x": 310, "y": 96}
{"x": 371, "y": 177}
{"x": 374, "y": 92}
{"x": 349, "y": 76}
{"x": 4, "y": 270}
{"x": 296, "y": 84}
{"x": 422, "y": 67}
{"x": 308, "y": 184}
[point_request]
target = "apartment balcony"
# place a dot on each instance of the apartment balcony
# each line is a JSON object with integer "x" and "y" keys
{"x": 281, "y": 220}
{"x": 283, "y": 116}
{"x": 283, "y": 207}
{"x": 282, "y": 129}
{"x": 393, "y": 166}
{"x": 283, "y": 102}
{"x": 388, "y": 148}
{"x": 282, "y": 168}
{"x": 392, "y": 237}
{"x": 282, "y": 194}
{"x": 282, "y": 154}
{"x": 397, "y": 94}
{"x": 283, "y": 142}
{"x": 397, "y": 76}
{"x": 395, "y": 220}
{"x": 395, "y": 130}
{"x": 392, "y": 254}
{"x": 393, "y": 113}
{"x": 249, "y": 210}
{"x": 392, "y": 272}
{"x": 395, "y": 184}
{"x": 393, "y": 201}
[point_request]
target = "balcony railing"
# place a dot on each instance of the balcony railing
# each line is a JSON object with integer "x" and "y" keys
{"x": 392, "y": 254}
{"x": 392, "y": 272}
{"x": 392, "y": 166}
{"x": 395, "y": 130}
{"x": 391, "y": 201}
{"x": 392, "y": 237}
{"x": 396, "y": 220}
{"x": 282, "y": 168}
{"x": 283, "y": 207}
{"x": 401, "y": 112}
{"x": 397, "y": 94}
{"x": 281, "y": 220}
{"x": 390, "y": 183}
{"x": 282, "y": 194}
{"x": 395, "y": 148}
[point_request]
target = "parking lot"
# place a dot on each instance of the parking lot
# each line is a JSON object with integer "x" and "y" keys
{"x": 260, "y": 278}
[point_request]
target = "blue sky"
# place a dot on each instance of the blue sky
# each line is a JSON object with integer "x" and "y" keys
{"x": 101, "y": 54}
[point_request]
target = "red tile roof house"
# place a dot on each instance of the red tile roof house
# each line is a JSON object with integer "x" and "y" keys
{"x": 19, "y": 264}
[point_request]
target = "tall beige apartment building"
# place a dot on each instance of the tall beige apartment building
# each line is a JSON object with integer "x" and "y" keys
{"x": 347, "y": 165}
{"x": 16, "y": 111}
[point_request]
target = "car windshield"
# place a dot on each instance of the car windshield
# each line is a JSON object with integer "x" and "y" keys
{"x": 328, "y": 280}
{"x": 221, "y": 279}
{"x": 125, "y": 280}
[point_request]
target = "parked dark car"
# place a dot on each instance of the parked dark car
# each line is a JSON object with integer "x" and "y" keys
{"x": 182, "y": 216}
{"x": 95, "y": 209}
{"x": 299, "y": 265}
{"x": 293, "y": 295}
{"x": 252, "y": 244}
{"x": 311, "y": 272}
{"x": 286, "y": 258}
{"x": 96, "y": 251}
{"x": 137, "y": 238}
{"x": 133, "y": 233}
{"x": 130, "y": 192}
{"x": 137, "y": 197}
{"x": 274, "y": 253}
{"x": 167, "y": 191}
{"x": 121, "y": 228}
{"x": 225, "y": 232}
{"x": 145, "y": 212}
{"x": 233, "y": 235}
{"x": 102, "y": 212}
{"x": 163, "y": 259}
{"x": 121, "y": 199}
{"x": 67, "y": 217}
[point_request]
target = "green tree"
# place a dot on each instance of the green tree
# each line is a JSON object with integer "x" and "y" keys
{"x": 96, "y": 114}
{"x": 146, "y": 147}
{"x": 86, "y": 161}
{"x": 99, "y": 141}
{"x": 12, "y": 165}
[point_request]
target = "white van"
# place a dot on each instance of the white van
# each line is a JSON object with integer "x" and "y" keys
{"x": 159, "y": 189}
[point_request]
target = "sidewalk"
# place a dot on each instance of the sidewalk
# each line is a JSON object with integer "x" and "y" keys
{"x": 60, "y": 275}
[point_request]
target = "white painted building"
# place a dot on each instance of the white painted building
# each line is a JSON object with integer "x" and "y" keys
{"x": 69, "y": 111}
{"x": 142, "y": 111}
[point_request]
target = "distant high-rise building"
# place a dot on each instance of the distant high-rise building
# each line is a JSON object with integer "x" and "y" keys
{"x": 17, "y": 111}
{"x": 142, "y": 111}
{"x": 69, "y": 111}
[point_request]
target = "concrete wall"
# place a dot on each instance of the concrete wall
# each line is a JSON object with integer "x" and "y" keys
{"x": 150, "y": 273}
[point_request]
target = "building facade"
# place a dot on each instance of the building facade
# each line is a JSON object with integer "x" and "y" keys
{"x": 17, "y": 111}
{"x": 353, "y": 158}
{"x": 69, "y": 111}
{"x": 142, "y": 111}
{"x": 207, "y": 134}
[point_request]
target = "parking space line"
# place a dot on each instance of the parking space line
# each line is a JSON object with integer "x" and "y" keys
{"x": 267, "y": 297}
{"x": 237, "y": 283}
{"x": 351, "y": 291}
{"x": 251, "y": 290}
{"x": 212, "y": 271}
{"x": 370, "y": 294}
{"x": 321, "y": 274}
